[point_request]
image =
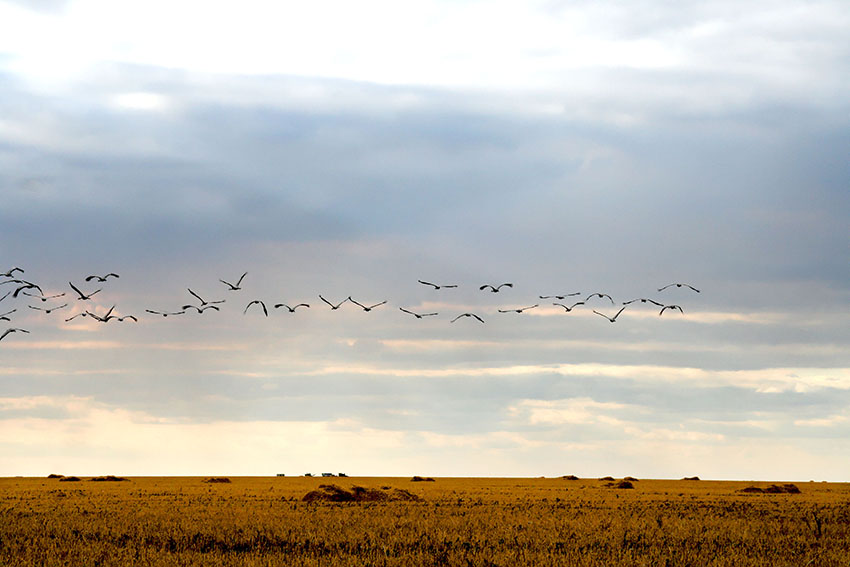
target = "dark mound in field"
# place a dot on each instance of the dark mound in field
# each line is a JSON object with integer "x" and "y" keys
{"x": 108, "y": 478}
{"x": 621, "y": 484}
{"x": 217, "y": 480}
{"x": 631, "y": 479}
{"x": 55, "y": 476}
{"x": 772, "y": 489}
{"x": 570, "y": 477}
{"x": 334, "y": 493}
{"x": 69, "y": 479}
{"x": 421, "y": 479}
{"x": 691, "y": 478}
{"x": 607, "y": 478}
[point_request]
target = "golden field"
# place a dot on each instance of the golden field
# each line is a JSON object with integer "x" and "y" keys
{"x": 257, "y": 521}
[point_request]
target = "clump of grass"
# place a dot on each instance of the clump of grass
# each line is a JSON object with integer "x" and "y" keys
{"x": 334, "y": 493}
{"x": 570, "y": 477}
{"x": 217, "y": 480}
{"x": 630, "y": 479}
{"x": 55, "y": 476}
{"x": 69, "y": 479}
{"x": 607, "y": 478}
{"x": 108, "y": 478}
{"x": 622, "y": 484}
{"x": 422, "y": 479}
{"x": 772, "y": 489}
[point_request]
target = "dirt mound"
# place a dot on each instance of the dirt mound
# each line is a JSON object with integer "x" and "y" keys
{"x": 55, "y": 476}
{"x": 630, "y": 479}
{"x": 217, "y": 480}
{"x": 421, "y": 479}
{"x": 108, "y": 478}
{"x": 691, "y": 478}
{"x": 772, "y": 489}
{"x": 334, "y": 493}
{"x": 621, "y": 484}
{"x": 69, "y": 479}
{"x": 607, "y": 478}
{"x": 570, "y": 477}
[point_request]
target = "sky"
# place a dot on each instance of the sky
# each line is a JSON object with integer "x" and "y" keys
{"x": 350, "y": 150}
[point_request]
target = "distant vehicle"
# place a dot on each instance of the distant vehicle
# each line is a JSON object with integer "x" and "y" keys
{"x": 280, "y": 474}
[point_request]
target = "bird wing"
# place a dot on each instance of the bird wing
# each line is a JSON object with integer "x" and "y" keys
{"x": 665, "y": 287}
{"x": 82, "y": 295}
{"x": 116, "y": 276}
{"x": 325, "y": 300}
{"x": 201, "y": 299}
{"x": 435, "y": 286}
{"x": 378, "y": 304}
{"x": 239, "y": 281}
{"x": 486, "y": 286}
{"x": 477, "y": 317}
{"x": 356, "y": 303}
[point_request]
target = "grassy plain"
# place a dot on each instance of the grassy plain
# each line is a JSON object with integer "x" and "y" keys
{"x": 457, "y": 521}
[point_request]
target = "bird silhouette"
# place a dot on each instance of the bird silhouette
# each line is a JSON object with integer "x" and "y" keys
{"x": 257, "y": 302}
{"x": 6, "y": 295}
{"x": 101, "y": 278}
{"x": 204, "y": 302}
{"x": 235, "y": 287}
{"x": 83, "y": 314}
{"x": 678, "y": 285}
{"x": 614, "y": 318}
{"x": 200, "y": 309}
{"x": 290, "y": 309}
{"x": 366, "y": 308}
{"x": 43, "y": 297}
{"x": 23, "y": 284}
{"x": 436, "y": 286}
{"x": 8, "y": 312}
{"x": 571, "y": 307}
{"x": 83, "y": 296}
{"x": 562, "y": 297}
{"x": 520, "y": 310}
{"x": 333, "y": 307}
{"x": 165, "y": 313}
{"x": 48, "y": 311}
{"x": 495, "y": 289}
{"x": 600, "y": 296}
{"x": 12, "y": 330}
{"x": 643, "y": 300}
{"x": 467, "y": 315}
{"x": 417, "y": 315}
{"x": 670, "y": 307}
{"x": 11, "y": 273}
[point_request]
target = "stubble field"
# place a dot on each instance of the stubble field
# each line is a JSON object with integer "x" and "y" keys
{"x": 469, "y": 522}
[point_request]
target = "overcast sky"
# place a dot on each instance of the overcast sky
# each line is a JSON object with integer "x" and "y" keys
{"x": 352, "y": 149}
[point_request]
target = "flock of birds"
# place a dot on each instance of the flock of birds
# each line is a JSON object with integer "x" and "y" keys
{"x": 37, "y": 300}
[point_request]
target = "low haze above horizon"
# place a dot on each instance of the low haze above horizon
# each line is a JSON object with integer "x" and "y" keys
{"x": 353, "y": 149}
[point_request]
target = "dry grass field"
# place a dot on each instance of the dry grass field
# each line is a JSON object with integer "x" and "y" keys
{"x": 466, "y": 522}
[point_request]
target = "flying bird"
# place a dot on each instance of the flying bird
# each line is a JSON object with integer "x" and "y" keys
{"x": 165, "y": 313}
{"x": 571, "y": 307}
{"x": 48, "y": 310}
{"x": 203, "y": 302}
{"x": 83, "y": 296}
{"x": 614, "y": 318}
{"x": 257, "y": 302}
{"x": 43, "y": 297}
{"x": 670, "y": 307}
{"x": 562, "y": 297}
{"x": 83, "y": 314}
{"x": 435, "y": 286}
{"x": 333, "y": 307}
{"x": 101, "y": 278}
{"x": 11, "y": 273}
{"x": 496, "y": 288}
{"x": 291, "y": 309}
{"x": 200, "y": 309}
{"x": 6, "y": 295}
{"x": 520, "y": 310}
{"x": 466, "y": 315}
{"x": 600, "y": 296}
{"x": 678, "y": 285}
{"x": 643, "y": 300}
{"x": 238, "y": 283}
{"x": 8, "y": 312}
{"x": 365, "y": 308}
{"x": 417, "y": 315}
{"x": 12, "y": 330}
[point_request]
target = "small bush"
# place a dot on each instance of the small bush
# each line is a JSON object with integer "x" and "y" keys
{"x": 691, "y": 478}
{"x": 108, "y": 478}
{"x": 334, "y": 493}
{"x": 217, "y": 480}
{"x": 421, "y": 479}
{"x": 55, "y": 476}
{"x": 607, "y": 478}
{"x": 69, "y": 479}
{"x": 570, "y": 477}
{"x": 622, "y": 484}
